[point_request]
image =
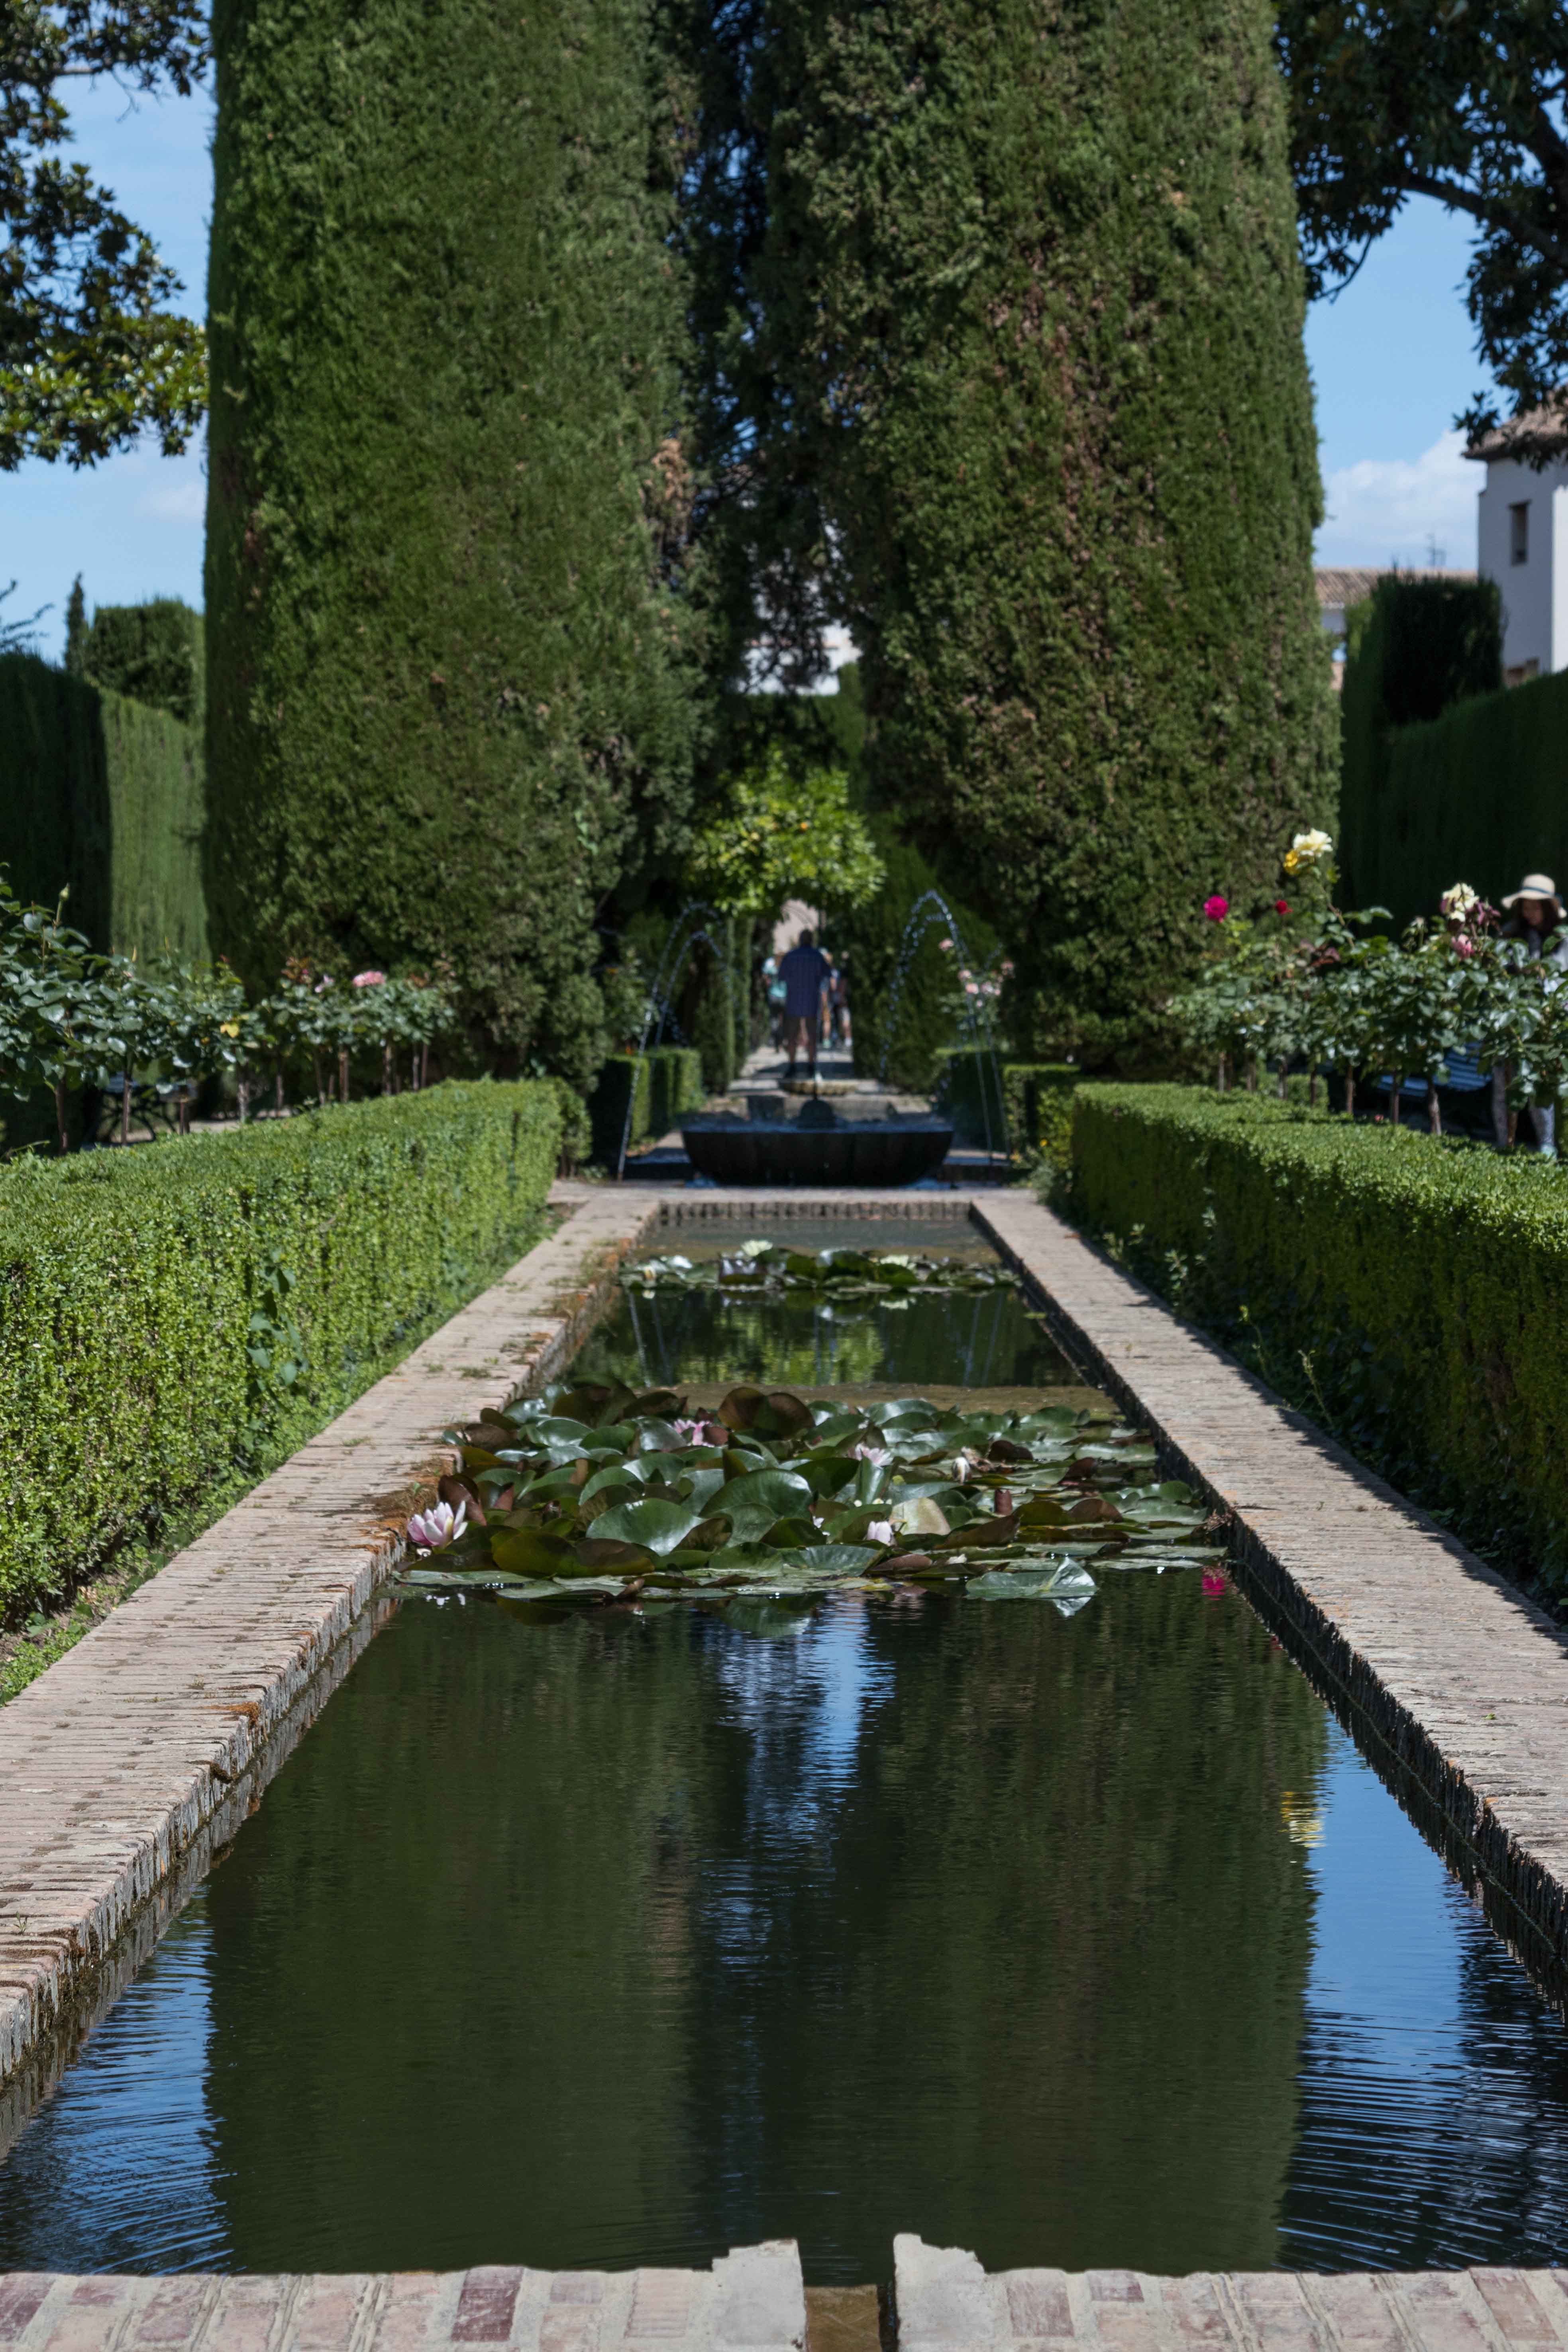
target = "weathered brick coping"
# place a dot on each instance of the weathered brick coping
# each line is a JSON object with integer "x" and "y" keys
{"x": 1463, "y": 1679}
{"x": 944, "y": 2299}
{"x": 751, "y": 2301}
{"x": 115, "y": 1764}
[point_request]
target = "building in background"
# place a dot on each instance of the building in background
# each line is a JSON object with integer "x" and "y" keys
{"x": 1521, "y": 538}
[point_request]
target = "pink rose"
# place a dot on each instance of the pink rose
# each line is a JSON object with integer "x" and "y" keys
{"x": 1216, "y": 909}
{"x": 369, "y": 978}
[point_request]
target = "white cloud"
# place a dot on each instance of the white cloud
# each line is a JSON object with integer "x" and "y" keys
{"x": 174, "y": 501}
{"x": 1398, "y": 510}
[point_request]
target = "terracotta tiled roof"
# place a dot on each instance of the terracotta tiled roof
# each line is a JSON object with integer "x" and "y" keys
{"x": 1338, "y": 588}
{"x": 1539, "y": 432}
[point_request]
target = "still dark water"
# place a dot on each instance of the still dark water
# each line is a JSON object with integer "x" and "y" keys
{"x": 985, "y": 1340}
{"x": 1085, "y": 1940}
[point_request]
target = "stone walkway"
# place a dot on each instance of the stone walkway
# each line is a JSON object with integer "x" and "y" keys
{"x": 945, "y": 2300}
{"x": 753, "y": 2301}
{"x": 136, "y": 1754}
{"x": 1464, "y": 1679}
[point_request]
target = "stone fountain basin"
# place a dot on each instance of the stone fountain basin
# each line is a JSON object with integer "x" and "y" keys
{"x": 824, "y": 1149}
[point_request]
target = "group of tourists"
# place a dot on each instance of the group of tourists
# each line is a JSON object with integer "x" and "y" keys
{"x": 808, "y": 1000}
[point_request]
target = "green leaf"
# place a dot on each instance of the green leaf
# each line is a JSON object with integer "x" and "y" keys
{"x": 659, "y": 1526}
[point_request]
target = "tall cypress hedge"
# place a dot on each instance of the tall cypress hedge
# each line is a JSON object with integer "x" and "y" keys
{"x": 1414, "y": 649}
{"x": 1027, "y": 388}
{"x": 449, "y": 636}
{"x": 104, "y": 793}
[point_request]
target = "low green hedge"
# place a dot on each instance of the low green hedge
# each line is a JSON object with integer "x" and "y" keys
{"x": 669, "y": 1083}
{"x": 1035, "y": 1095}
{"x": 1411, "y": 1293}
{"x": 171, "y": 1312}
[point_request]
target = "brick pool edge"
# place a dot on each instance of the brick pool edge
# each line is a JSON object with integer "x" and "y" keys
{"x": 1461, "y": 1679}
{"x": 141, "y": 1750}
{"x": 134, "y": 1759}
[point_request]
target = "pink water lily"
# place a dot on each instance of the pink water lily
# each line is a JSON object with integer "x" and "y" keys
{"x": 434, "y": 1530}
{"x": 1215, "y": 1583}
{"x": 877, "y": 1455}
{"x": 700, "y": 1432}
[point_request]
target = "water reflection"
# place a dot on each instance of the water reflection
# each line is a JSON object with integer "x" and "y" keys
{"x": 1085, "y": 1941}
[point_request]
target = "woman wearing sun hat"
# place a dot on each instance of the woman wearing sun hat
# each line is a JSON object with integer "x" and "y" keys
{"x": 1534, "y": 913}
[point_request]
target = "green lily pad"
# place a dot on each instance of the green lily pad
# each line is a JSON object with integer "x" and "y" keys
{"x": 657, "y": 1525}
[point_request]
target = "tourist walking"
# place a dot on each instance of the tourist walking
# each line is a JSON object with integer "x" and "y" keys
{"x": 838, "y": 1008}
{"x": 803, "y": 972}
{"x": 1534, "y": 914}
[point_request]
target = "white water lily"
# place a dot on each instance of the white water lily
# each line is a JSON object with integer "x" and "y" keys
{"x": 434, "y": 1530}
{"x": 880, "y": 1531}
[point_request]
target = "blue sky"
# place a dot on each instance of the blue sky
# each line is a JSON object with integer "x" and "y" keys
{"x": 1391, "y": 360}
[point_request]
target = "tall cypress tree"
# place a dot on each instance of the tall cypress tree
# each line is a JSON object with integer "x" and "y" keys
{"x": 449, "y": 634}
{"x": 1002, "y": 324}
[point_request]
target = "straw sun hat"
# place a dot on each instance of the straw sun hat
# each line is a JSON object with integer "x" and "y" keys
{"x": 1534, "y": 885}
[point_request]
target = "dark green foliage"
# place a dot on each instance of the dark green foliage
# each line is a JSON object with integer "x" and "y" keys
{"x": 154, "y": 653}
{"x": 449, "y": 636}
{"x": 669, "y": 1082}
{"x": 89, "y": 355}
{"x": 1015, "y": 325}
{"x": 1462, "y": 104}
{"x": 76, "y": 630}
{"x": 1036, "y": 1098}
{"x": 1475, "y": 796}
{"x": 870, "y": 941}
{"x": 105, "y": 794}
{"x": 167, "y": 1312}
{"x": 1412, "y": 650}
{"x": 1412, "y": 1293}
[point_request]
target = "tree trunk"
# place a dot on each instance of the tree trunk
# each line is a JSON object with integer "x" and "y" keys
{"x": 1252, "y": 1076}
{"x": 278, "y": 1088}
{"x": 1350, "y": 1094}
{"x": 1513, "y": 1128}
{"x": 60, "y": 1114}
{"x": 125, "y": 1106}
{"x": 1397, "y": 1097}
{"x": 242, "y": 1087}
{"x": 1434, "y": 1109}
{"x": 1313, "y": 1090}
{"x": 388, "y": 1073}
{"x": 1279, "y": 1086}
{"x": 423, "y": 1065}
{"x": 342, "y": 1073}
{"x": 1219, "y": 1081}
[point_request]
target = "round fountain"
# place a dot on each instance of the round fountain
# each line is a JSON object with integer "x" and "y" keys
{"x": 776, "y": 1138}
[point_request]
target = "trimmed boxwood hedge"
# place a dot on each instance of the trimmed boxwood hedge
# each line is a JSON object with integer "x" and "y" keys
{"x": 1035, "y": 1095}
{"x": 669, "y": 1082}
{"x": 172, "y": 1313}
{"x": 1412, "y": 1293}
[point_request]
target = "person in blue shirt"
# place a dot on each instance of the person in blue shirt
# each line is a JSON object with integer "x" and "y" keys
{"x": 803, "y": 972}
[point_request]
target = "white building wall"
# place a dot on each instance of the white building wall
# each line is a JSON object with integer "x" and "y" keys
{"x": 1535, "y": 593}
